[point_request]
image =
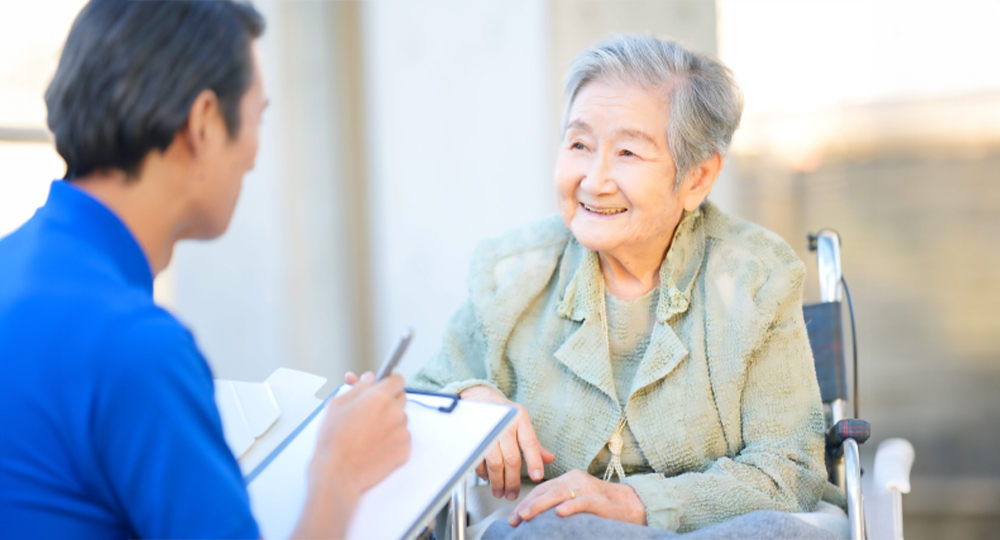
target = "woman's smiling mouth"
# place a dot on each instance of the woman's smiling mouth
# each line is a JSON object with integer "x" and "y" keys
{"x": 602, "y": 211}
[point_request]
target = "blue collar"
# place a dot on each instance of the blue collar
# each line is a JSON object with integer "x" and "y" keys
{"x": 87, "y": 219}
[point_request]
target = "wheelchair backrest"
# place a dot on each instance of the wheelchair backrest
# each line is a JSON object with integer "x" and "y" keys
{"x": 826, "y": 337}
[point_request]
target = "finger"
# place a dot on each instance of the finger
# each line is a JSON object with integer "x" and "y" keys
{"x": 395, "y": 390}
{"x": 359, "y": 387}
{"x": 532, "y": 506}
{"x": 582, "y": 503}
{"x": 531, "y": 449}
{"x": 350, "y": 378}
{"x": 494, "y": 468}
{"x": 481, "y": 470}
{"x": 512, "y": 465}
{"x": 392, "y": 388}
{"x": 540, "y": 491}
{"x": 514, "y": 518}
{"x": 547, "y": 457}
{"x": 392, "y": 383}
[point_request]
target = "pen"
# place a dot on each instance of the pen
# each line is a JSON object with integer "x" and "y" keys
{"x": 397, "y": 354}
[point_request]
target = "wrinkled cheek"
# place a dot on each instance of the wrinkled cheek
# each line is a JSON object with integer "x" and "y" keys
{"x": 564, "y": 190}
{"x": 566, "y": 203}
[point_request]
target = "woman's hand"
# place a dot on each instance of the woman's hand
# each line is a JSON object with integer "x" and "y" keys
{"x": 577, "y": 491}
{"x": 502, "y": 466}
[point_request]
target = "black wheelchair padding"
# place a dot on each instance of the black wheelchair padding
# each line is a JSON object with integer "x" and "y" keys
{"x": 848, "y": 428}
{"x": 826, "y": 337}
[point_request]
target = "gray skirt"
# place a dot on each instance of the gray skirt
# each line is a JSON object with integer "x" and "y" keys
{"x": 766, "y": 524}
{"x": 489, "y": 522}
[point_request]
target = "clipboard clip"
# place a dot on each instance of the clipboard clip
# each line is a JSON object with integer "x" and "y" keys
{"x": 452, "y": 400}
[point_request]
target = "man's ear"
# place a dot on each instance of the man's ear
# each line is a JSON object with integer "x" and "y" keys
{"x": 203, "y": 119}
{"x": 700, "y": 181}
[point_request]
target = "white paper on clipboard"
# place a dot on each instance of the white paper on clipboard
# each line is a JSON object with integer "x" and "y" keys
{"x": 445, "y": 446}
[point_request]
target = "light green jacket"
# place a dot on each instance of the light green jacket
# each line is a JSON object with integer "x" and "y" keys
{"x": 725, "y": 405}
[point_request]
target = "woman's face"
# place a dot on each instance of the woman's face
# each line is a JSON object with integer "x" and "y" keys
{"x": 614, "y": 174}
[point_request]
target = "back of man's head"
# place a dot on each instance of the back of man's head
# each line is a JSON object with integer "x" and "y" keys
{"x": 130, "y": 71}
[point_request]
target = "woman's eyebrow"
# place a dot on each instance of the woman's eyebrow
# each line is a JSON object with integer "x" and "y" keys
{"x": 621, "y": 133}
{"x": 635, "y": 134}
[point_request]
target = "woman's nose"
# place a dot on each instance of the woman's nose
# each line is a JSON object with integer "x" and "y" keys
{"x": 598, "y": 180}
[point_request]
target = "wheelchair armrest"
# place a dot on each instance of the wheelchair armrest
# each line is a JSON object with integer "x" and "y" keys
{"x": 890, "y": 479}
{"x": 848, "y": 428}
{"x": 893, "y": 461}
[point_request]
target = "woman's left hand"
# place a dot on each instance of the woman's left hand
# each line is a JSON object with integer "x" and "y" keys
{"x": 577, "y": 491}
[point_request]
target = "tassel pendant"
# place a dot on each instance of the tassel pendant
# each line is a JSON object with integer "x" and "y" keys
{"x": 616, "y": 444}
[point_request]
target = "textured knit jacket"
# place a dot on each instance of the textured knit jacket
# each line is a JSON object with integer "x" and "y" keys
{"x": 724, "y": 405}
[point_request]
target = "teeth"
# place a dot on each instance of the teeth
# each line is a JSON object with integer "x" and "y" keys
{"x": 608, "y": 212}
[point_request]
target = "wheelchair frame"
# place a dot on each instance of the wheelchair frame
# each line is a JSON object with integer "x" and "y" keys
{"x": 845, "y": 469}
{"x": 880, "y": 514}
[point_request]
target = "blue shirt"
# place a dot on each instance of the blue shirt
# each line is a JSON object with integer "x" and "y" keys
{"x": 108, "y": 426}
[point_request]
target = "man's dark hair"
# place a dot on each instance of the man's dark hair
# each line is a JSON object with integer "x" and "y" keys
{"x": 130, "y": 71}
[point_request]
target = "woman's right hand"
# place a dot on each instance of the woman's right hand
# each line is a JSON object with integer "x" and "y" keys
{"x": 502, "y": 466}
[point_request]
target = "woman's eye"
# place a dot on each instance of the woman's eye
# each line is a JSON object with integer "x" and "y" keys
{"x": 577, "y": 146}
{"x": 627, "y": 153}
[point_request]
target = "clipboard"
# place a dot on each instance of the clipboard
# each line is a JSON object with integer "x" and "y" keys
{"x": 445, "y": 447}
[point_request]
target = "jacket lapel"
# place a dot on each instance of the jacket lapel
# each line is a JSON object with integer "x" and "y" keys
{"x": 585, "y": 352}
{"x": 678, "y": 273}
{"x": 665, "y": 351}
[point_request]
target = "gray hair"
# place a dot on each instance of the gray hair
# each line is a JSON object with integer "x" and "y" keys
{"x": 705, "y": 101}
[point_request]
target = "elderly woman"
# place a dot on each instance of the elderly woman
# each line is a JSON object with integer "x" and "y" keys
{"x": 654, "y": 344}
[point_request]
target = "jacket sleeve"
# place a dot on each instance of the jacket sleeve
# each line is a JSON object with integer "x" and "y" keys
{"x": 461, "y": 362}
{"x": 781, "y": 464}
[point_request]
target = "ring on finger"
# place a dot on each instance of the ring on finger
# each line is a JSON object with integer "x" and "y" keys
{"x": 571, "y": 492}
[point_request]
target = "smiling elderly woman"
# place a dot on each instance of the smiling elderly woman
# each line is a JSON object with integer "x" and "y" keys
{"x": 654, "y": 344}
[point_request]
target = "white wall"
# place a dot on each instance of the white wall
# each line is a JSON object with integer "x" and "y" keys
{"x": 460, "y": 148}
{"x": 457, "y": 148}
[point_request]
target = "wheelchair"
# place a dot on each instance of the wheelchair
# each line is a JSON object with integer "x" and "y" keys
{"x": 876, "y": 513}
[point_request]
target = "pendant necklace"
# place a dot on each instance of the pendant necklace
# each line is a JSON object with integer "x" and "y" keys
{"x": 615, "y": 444}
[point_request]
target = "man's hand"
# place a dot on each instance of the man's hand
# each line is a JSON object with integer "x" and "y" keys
{"x": 362, "y": 439}
{"x": 577, "y": 491}
{"x": 364, "y": 433}
{"x": 502, "y": 466}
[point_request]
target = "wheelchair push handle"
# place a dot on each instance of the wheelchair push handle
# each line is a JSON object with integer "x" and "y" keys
{"x": 892, "y": 465}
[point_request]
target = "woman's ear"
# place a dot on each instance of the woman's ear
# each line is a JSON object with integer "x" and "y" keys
{"x": 700, "y": 181}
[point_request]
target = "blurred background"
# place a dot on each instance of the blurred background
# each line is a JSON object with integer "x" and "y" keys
{"x": 402, "y": 133}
